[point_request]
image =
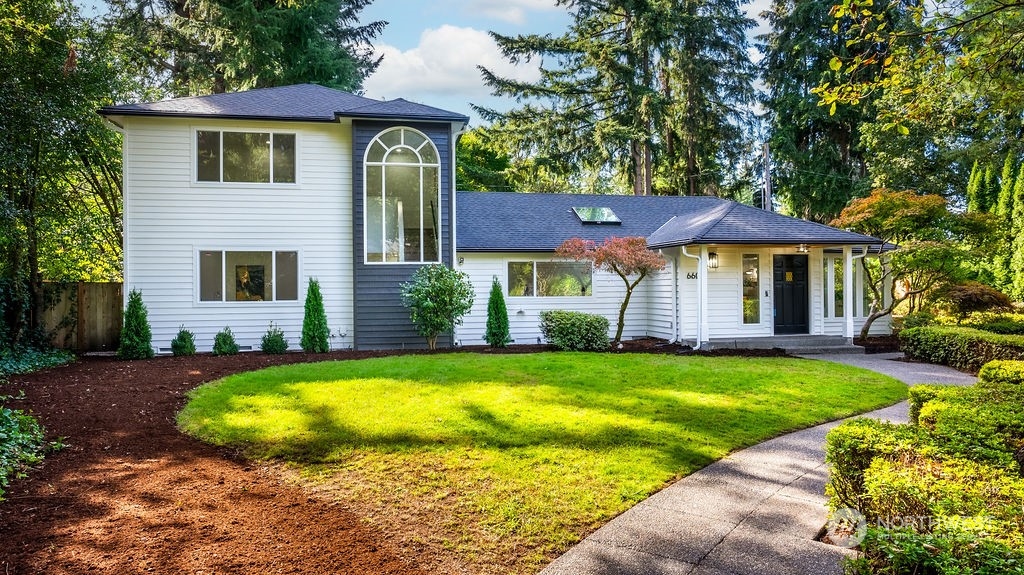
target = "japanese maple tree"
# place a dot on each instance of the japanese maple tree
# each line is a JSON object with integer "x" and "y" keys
{"x": 625, "y": 257}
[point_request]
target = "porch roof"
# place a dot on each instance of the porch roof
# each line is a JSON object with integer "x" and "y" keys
{"x": 515, "y": 222}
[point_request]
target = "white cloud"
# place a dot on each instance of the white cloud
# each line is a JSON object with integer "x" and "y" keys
{"x": 512, "y": 11}
{"x": 444, "y": 63}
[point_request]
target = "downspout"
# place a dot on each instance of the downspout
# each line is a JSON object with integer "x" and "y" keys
{"x": 700, "y": 297}
{"x": 452, "y": 226}
{"x": 675, "y": 299}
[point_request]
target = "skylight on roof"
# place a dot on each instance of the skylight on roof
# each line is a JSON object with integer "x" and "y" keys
{"x": 597, "y": 216}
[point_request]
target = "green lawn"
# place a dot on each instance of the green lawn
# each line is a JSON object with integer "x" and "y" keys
{"x": 504, "y": 460}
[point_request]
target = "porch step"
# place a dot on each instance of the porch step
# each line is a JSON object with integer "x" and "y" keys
{"x": 793, "y": 344}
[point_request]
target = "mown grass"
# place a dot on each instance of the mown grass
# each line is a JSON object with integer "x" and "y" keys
{"x": 511, "y": 458}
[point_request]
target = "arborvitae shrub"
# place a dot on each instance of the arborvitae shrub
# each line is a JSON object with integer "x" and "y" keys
{"x": 184, "y": 343}
{"x": 136, "y": 336}
{"x": 497, "y": 334}
{"x": 273, "y": 341}
{"x": 224, "y": 343}
{"x": 315, "y": 333}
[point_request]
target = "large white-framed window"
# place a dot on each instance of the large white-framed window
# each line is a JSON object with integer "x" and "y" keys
{"x": 253, "y": 157}
{"x": 401, "y": 198}
{"x": 550, "y": 279}
{"x": 248, "y": 275}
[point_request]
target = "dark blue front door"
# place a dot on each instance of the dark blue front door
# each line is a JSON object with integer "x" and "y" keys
{"x": 790, "y": 278}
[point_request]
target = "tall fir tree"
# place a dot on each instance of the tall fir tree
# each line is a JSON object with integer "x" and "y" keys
{"x": 818, "y": 161}
{"x": 975, "y": 193}
{"x": 195, "y": 47}
{"x": 1001, "y": 260}
{"x": 634, "y": 90}
{"x": 1017, "y": 246}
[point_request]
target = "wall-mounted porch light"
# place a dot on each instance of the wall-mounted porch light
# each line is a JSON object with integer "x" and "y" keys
{"x": 802, "y": 248}
{"x": 712, "y": 260}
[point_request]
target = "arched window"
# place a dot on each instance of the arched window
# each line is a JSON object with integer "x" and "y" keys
{"x": 402, "y": 190}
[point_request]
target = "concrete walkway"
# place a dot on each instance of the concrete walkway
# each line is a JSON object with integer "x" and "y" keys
{"x": 755, "y": 512}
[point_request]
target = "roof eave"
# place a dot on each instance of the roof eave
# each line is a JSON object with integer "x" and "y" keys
{"x": 108, "y": 112}
{"x": 392, "y": 117}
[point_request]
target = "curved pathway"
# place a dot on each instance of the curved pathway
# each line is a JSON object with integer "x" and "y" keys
{"x": 755, "y": 512}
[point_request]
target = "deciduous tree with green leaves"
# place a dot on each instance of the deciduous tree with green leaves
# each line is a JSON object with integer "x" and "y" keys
{"x": 933, "y": 245}
{"x": 437, "y": 297}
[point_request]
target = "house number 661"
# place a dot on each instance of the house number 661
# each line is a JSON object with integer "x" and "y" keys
{"x": 691, "y": 275}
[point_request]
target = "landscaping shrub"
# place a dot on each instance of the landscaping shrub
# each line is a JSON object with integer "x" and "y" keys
{"x": 437, "y": 297}
{"x": 943, "y": 495}
{"x": 850, "y": 449}
{"x": 315, "y": 332}
{"x": 497, "y": 333}
{"x": 184, "y": 343}
{"x": 918, "y": 319}
{"x": 273, "y": 341}
{"x": 961, "y": 300}
{"x": 136, "y": 336}
{"x": 224, "y": 343}
{"x": 1001, "y": 372}
{"x": 575, "y": 331}
{"x": 21, "y": 443}
{"x": 1003, "y": 323}
{"x": 960, "y": 347}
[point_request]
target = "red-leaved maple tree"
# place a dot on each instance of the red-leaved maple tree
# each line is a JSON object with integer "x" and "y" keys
{"x": 625, "y": 257}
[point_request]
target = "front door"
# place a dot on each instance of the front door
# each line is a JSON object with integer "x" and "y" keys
{"x": 790, "y": 277}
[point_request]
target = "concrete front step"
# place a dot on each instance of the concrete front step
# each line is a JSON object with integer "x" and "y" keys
{"x": 794, "y": 344}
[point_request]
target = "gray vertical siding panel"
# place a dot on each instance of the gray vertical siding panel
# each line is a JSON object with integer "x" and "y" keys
{"x": 381, "y": 321}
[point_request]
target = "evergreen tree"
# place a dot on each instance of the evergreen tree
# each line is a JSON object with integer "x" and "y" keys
{"x": 975, "y": 184}
{"x": 315, "y": 332}
{"x": 1017, "y": 247}
{"x": 497, "y": 334}
{"x": 633, "y": 89}
{"x": 989, "y": 190}
{"x": 136, "y": 336}
{"x": 199, "y": 47}
{"x": 818, "y": 161}
{"x": 1001, "y": 269}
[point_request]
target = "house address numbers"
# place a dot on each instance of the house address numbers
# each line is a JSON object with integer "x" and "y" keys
{"x": 691, "y": 275}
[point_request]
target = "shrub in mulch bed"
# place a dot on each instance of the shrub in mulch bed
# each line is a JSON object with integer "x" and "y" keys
{"x": 962, "y": 348}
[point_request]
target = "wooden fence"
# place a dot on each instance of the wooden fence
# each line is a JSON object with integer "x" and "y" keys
{"x": 84, "y": 316}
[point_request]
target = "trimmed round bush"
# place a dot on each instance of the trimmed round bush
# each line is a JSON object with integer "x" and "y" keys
{"x": 575, "y": 331}
{"x": 1001, "y": 372}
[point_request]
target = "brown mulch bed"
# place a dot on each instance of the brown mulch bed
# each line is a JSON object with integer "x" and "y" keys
{"x": 131, "y": 494}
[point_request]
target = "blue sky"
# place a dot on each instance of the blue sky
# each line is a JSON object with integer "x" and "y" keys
{"x": 432, "y": 48}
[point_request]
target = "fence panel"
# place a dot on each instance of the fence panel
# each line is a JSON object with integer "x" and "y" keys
{"x": 85, "y": 316}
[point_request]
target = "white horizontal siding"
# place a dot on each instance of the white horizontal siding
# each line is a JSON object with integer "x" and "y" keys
{"x": 660, "y": 299}
{"x": 725, "y": 295}
{"x": 524, "y": 312}
{"x": 168, "y": 218}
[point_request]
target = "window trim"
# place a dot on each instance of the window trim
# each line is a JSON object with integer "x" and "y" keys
{"x": 420, "y": 165}
{"x": 533, "y": 269}
{"x": 197, "y": 283}
{"x": 194, "y": 156}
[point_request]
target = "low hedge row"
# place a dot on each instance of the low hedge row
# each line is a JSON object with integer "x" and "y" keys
{"x": 944, "y": 494}
{"x": 995, "y": 322}
{"x": 960, "y": 347}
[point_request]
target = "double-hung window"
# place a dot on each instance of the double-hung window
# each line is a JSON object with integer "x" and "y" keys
{"x": 248, "y": 276}
{"x": 245, "y": 157}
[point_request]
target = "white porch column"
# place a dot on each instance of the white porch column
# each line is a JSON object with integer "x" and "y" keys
{"x": 702, "y": 297}
{"x": 848, "y": 292}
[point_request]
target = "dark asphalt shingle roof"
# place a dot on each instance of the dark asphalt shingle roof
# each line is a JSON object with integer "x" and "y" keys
{"x": 511, "y": 222}
{"x": 301, "y": 102}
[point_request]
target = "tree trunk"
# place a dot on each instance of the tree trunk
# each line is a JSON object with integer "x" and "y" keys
{"x": 432, "y": 342}
{"x": 870, "y": 320}
{"x": 622, "y": 314}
